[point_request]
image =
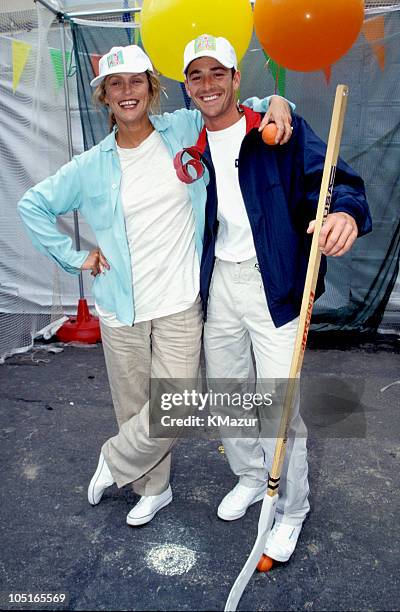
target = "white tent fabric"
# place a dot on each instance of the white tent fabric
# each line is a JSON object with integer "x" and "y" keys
{"x": 33, "y": 145}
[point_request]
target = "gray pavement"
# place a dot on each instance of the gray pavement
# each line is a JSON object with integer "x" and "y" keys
{"x": 55, "y": 412}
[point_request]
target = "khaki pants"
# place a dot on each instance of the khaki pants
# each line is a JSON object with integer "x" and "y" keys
{"x": 168, "y": 347}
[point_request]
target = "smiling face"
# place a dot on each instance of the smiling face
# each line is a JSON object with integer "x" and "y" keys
{"x": 213, "y": 88}
{"x": 128, "y": 96}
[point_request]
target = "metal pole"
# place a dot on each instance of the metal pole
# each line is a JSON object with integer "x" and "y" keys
{"x": 104, "y": 12}
{"x": 49, "y": 7}
{"x": 69, "y": 138}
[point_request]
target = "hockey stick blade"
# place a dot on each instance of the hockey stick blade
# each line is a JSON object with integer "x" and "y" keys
{"x": 267, "y": 515}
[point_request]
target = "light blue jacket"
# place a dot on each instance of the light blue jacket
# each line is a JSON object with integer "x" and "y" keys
{"x": 90, "y": 183}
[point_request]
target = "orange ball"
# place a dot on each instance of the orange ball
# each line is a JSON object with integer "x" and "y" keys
{"x": 307, "y": 35}
{"x": 265, "y": 564}
{"x": 269, "y": 134}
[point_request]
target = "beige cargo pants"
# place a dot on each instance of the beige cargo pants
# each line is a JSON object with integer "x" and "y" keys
{"x": 167, "y": 347}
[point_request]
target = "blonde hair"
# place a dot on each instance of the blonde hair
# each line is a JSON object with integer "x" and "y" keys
{"x": 155, "y": 89}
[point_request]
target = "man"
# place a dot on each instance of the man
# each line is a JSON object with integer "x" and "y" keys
{"x": 261, "y": 204}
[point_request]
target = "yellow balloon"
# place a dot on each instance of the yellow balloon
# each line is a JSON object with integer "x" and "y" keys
{"x": 168, "y": 25}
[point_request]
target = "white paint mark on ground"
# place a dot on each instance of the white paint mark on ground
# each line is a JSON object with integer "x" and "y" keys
{"x": 31, "y": 471}
{"x": 170, "y": 560}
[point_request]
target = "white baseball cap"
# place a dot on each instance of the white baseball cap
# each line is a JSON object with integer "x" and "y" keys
{"x": 210, "y": 46}
{"x": 122, "y": 59}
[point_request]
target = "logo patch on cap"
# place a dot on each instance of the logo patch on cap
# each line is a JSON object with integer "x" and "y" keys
{"x": 115, "y": 59}
{"x": 205, "y": 43}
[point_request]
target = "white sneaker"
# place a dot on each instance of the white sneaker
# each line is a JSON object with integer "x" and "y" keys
{"x": 101, "y": 479}
{"x": 281, "y": 541}
{"x": 235, "y": 504}
{"x": 147, "y": 507}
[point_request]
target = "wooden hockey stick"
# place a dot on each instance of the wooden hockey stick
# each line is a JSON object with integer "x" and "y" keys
{"x": 270, "y": 500}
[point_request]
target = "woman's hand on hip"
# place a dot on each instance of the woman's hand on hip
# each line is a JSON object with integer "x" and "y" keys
{"x": 96, "y": 262}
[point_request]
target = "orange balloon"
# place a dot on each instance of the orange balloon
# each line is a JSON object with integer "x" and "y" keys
{"x": 269, "y": 133}
{"x": 307, "y": 35}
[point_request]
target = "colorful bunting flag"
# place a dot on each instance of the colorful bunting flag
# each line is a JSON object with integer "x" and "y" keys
{"x": 20, "y": 54}
{"x": 57, "y": 62}
{"x": 374, "y": 32}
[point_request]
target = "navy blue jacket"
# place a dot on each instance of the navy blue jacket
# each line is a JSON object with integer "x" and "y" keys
{"x": 280, "y": 187}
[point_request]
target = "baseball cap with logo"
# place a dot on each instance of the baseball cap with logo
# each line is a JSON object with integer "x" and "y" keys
{"x": 210, "y": 46}
{"x": 122, "y": 59}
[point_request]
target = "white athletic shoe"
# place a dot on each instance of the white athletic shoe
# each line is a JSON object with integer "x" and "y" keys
{"x": 147, "y": 507}
{"x": 102, "y": 478}
{"x": 235, "y": 504}
{"x": 281, "y": 541}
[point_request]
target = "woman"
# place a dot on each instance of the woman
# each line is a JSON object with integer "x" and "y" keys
{"x": 148, "y": 226}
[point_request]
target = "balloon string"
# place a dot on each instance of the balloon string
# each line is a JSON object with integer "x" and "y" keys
{"x": 277, "y": 78}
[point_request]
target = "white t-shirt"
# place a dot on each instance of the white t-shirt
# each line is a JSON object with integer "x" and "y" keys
{"x": 159, "y": 224}
{"x": 234, "y": 239}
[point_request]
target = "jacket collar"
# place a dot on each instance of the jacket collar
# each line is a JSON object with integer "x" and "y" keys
{"x": 108, "y": 143}
{"x": 253, "y": 120}
{"x": 160, "y": 122}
